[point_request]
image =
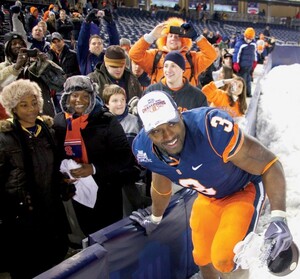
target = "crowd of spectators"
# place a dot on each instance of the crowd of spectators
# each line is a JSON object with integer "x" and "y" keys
{"x": 90, "y": 128}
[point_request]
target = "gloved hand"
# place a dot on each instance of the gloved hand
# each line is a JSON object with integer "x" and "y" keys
{"x": 92, "y": 16}
{"x": 107, "y": 16}
{"x": 277, "y": 237}
{"x": 236, "y": 67}
{"x": 190, "y": 31}
{"x": 254, "y": 65}
{"x": 143, "y": 217}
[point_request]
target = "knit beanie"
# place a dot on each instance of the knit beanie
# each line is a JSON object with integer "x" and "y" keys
{"x": 249, "y": 33}
{"x": 177, "y": 58}
{"x": 115, "y": 56}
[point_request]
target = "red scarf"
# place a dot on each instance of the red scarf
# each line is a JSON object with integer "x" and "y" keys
{"x": 74, "y": 144}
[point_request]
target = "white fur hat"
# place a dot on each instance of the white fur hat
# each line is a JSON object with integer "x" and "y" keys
{"x": 14, "y": 92}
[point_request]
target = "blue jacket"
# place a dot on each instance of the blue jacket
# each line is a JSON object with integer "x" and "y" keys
{"x": 244, "y": 53}
{"x": 88, "y": 61}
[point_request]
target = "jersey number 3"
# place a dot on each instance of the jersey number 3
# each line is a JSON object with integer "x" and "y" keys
{"x": 217, "y": 120}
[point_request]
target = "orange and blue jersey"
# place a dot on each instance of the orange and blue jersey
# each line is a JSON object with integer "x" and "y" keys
{"x": 211, "y": 138}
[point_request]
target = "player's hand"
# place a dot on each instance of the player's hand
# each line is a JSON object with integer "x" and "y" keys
{"x": 143, "y": 217}
{"x": 277, "y": 237}
{"x": 190, "y": 31}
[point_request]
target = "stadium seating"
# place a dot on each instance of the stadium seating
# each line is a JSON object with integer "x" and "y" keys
{"x": 133, "y": 23}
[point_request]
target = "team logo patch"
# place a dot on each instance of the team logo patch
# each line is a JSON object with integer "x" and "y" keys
{"x": 142, "y": 157}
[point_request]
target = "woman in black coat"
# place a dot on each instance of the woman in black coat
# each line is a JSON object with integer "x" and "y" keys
{"x": 90, "y": 135}
{"x": 33, "y": 224}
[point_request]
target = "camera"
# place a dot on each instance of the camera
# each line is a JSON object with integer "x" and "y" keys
{"x": 178, "y": 30}
{"x": 32, "y": 52}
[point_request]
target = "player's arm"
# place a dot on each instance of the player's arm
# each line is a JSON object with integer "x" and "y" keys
{"x": 161, "y": 190}
{"x": 255, "y": 158}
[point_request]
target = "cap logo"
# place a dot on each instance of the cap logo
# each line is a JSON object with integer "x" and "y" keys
{"x": 153, "y": 105}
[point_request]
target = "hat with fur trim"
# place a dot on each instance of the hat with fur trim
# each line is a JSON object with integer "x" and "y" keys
{"x": 115, "y": 56}
{"x": 78, "y": 83}
{"x": 249, "y": 33}
{"x": 177, "y": 58}
{"x": 12, "y": 94}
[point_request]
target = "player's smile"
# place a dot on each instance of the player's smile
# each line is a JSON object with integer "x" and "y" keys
{"x": 171, "y": 144}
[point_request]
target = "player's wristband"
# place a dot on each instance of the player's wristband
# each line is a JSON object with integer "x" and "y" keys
{"x": 156, "y": 219}
{"x": 278, "y": 213}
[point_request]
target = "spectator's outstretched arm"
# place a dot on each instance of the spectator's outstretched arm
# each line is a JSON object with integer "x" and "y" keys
{"x": 206, "y": 56}
{"x": 18, "y": 26}
{"x": 140, "y": 52}
{"x": 113, "y": 34}
{"x": 111, "y": 28}
{"x": 86, "y": 30}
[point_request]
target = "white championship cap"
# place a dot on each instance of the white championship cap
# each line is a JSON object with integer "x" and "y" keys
{"x": 156, "y": 108}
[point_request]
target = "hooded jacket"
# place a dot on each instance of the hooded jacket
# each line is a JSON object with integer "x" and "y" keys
{"x": 8, "y": 74}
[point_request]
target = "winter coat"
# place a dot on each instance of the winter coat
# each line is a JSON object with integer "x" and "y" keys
{"x": 33, "y": 222}
{"x": 67, "y": 59}
{"x": 65, "y": 28}
{"x": 43, "y": 45}
{"x": 244, "y": 53}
